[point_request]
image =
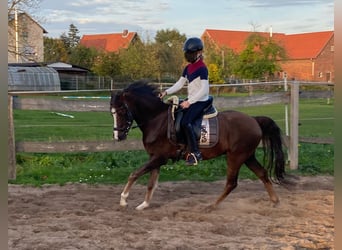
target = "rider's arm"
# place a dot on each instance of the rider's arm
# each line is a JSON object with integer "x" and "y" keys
{"x": 177, "y": 86}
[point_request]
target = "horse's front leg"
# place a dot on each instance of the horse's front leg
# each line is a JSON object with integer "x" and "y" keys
{"x": 152, "y": 185}
{"x": 124, "y": 195}
{"x": 153, "y": 164}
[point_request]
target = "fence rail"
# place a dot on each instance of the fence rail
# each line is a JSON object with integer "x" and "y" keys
{"x": 29, "y": 103}
{"x": 78, "y": 146}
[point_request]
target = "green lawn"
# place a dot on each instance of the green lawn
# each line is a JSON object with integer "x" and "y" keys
{"x": 316, "y": 119}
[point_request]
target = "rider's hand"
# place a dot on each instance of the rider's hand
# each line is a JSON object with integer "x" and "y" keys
{"x": 162, "y": 94}
{"x": 185, "y": 104}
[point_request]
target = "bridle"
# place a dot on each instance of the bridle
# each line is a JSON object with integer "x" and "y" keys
{"x": 129, "y": 121}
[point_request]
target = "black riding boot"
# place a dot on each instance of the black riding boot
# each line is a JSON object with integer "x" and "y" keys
{"x": 195, "y": 155}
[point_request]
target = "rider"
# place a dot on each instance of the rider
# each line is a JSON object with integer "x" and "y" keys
{"x": 195, "y": 74}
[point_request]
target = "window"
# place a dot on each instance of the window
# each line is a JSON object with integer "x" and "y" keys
{"x": 29, "y": 51}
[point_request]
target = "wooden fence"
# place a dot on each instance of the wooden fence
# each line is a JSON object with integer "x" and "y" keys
{"x": 291, "y": 98}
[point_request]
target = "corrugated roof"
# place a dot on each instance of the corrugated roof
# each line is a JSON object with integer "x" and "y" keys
{"x": 109, "y": 42}
{"x": 298, "y": 46}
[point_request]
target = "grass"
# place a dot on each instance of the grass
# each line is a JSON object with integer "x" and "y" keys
{"x": 40, "y": 125}
{"x": 115, "y": 167}
{"x": 316, "y": 118}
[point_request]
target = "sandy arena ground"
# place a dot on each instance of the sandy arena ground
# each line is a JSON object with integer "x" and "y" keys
{"x": 79, "y": 216}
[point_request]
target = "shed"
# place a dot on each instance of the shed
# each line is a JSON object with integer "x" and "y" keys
{"x": 72, "y": 77}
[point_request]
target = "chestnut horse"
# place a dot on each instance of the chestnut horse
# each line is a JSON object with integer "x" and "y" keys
{"x": 239, "y": 136}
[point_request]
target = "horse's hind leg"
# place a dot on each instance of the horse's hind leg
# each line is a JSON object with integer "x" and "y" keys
{"x": 253, "y": 164}
{"x": 233, "y": 168}
{"x": 151, "y": 186}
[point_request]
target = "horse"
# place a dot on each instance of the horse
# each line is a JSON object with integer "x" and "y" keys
{"x": 239, "y": 137}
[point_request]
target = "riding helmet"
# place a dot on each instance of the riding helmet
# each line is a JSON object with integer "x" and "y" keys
{"x": 191, "y": 48}
{"x": 193, "y": 44}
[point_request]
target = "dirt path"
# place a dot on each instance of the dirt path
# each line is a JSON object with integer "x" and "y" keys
{"x": 80, "y": 216}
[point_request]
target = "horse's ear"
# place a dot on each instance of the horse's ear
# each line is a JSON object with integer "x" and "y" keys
{"x": 125, "y": 94}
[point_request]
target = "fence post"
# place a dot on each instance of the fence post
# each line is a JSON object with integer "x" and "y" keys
{"x": 294, "y": 125}
{"x": 286, "y": 115}
{"x": 11, "y": 171}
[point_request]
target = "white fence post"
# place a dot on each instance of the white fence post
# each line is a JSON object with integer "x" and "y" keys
{"x": 286, "y": 116}
{"x": 293, "y": 145}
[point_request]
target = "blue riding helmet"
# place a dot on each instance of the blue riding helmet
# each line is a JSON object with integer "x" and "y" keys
{"x": 191, "y": 47}
{"x": 193, "y": 44}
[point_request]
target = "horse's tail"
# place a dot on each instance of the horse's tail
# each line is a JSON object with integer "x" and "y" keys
{"x": 274, "y": 157}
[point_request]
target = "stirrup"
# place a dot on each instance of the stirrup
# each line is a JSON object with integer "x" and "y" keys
{"x": 192, "y": 160}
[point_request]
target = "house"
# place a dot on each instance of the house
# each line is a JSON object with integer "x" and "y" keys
{"x": 25, "y": 39}
{"x": 310, "y": 55}
{"x": 110, "y": 42}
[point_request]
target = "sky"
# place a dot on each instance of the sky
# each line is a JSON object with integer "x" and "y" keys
{"x": 189, "y": 17}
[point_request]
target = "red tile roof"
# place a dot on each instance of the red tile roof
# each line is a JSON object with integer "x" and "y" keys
{"x": 108, "y": 42}
{"x": 298, "y": 46}
{"x": 232, "y": 39}
{"x": 306, "y": 45}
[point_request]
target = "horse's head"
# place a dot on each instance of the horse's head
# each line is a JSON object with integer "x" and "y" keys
{"x": 140, "y": 102}
{"x": 122, "y": 117}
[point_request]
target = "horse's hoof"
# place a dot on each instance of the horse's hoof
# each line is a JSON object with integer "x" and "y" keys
{"x": 210, "y": 208}
{"x": 142, "y": 206}
{"x": 123, "y": 204}
{"x": 275, "y": 204}
{"x": 122, "y": 208}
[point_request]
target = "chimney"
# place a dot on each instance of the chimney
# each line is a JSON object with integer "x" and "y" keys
{"x": 124, "y": 33}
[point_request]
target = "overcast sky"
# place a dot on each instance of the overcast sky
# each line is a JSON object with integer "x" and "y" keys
{"x": 189, "y": 17}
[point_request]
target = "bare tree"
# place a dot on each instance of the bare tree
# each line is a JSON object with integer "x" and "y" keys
{"x": 23, "y": 5}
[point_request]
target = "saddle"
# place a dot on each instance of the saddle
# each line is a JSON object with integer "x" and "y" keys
{"x": 205, "y": 127}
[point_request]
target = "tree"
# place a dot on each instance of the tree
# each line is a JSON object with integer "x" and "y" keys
{"x": 72, "y": 39}
{"x": 223, "y": 58}
{"x": 214, "y": 73}
{"x": 169, "y": 45}
{"x": 54, "y": 50}
{"x": 139, "y": 61}
{"x": 260, "y": 58}
{"x": 83, "y": 56}
{"x": 22, "y": 6}
{"x": 107, "y": 64}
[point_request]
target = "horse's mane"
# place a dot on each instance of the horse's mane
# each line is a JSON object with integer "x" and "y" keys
{"x": 142, "y": 88}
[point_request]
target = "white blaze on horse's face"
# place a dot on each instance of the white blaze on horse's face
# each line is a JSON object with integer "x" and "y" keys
{"x": 115, "y": 132}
